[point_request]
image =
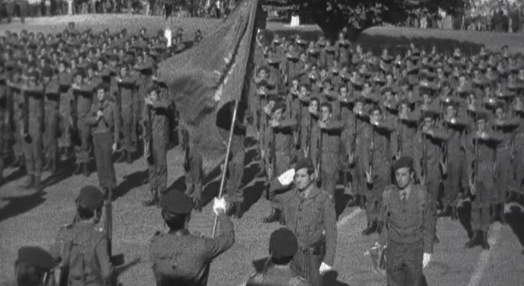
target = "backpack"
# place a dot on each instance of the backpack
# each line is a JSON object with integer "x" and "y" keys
{"x": 80, "y": 260}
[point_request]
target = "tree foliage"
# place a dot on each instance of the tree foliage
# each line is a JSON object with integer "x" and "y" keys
{"x": 356, "y": 15}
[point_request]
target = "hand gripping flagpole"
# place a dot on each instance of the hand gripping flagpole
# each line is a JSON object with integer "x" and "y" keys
{"x": 222, "y": 181}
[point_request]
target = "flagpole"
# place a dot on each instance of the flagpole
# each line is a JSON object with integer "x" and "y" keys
{"x": 222, "y": 181}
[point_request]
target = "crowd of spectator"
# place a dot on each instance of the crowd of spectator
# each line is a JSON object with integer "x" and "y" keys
{"x": 181, "y": 8}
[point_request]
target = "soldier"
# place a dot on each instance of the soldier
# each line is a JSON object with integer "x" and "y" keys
{"x": 480, "y": 154}
{"x": 310, "y": 214}
{"x": 194, "y": 174}
{"x": 16, "y": 84}
{"x": 279, "y": 150}
{"x": 156, "y": 127}
{"x": 376, "y": 161}
{"x": 83, "y": 93}
{"x": 105, "y": 127}
{"x": 191, "y": 254}
{"x": 52, "y": 103}
{"x": 407, "y": 230}
{"x": 32, "y": 130}
{"x": 81, "y": 247}
{"x": 329, "y": 148}
{"x": 127, "y": 85}
{"x": 32, "y": 267}
{"x": 4, "y": 120}
{"x": 10, "y": 9}
{"x": 66, "y": 110}
{"x": 283, "y": 246}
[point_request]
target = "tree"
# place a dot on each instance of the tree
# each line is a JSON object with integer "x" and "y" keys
{"x": 357, "y": 15}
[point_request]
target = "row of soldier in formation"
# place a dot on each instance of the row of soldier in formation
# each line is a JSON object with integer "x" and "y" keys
{"x": 353, "y": 113}
{"x": 78, "y": 95}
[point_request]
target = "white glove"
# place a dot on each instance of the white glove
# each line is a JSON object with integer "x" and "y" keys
{"x": 324, "y": 268}
{"x": 426, "y": 259}
{"x": 287, "y": 177}
{"x": 167, "y": 35}
{"x": 219, "y": 204}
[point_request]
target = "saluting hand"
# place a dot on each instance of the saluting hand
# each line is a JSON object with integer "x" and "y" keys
{"x": 443, "y": 166}
{"x": 219, "y": 205}
{"x": 114, "y": 147}
{"x": 426, "y": 259}
{"x": 324, "y": 268}
{"x": 369, "y": 178}
{"x": 472, "y": 188}
{"x": 99, "y": 114}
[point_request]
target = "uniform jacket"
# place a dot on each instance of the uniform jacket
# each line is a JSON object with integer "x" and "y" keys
{"x": 109, "y": 122}
{"x": 309, "y": 218}
{"x": 410, "y": 223}
{"x": 277, "y": 275}
{"x": 155, "y": 117}
{"x": 85, "y": 233}
{"x": 184, "y": 259}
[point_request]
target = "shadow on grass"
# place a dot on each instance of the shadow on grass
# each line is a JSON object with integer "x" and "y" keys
{"x": 20, "y": 205}
{"x": 130, "y": 182}
{"x": 65, "y": 170}
{"x": 464, "y": 215}
{"x": 515, "y": 219}
{"x": 16, "y": 175}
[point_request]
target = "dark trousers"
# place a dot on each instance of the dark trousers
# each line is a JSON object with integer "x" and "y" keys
{"x": 455, "y": 179}
{"x": 282, "y": 166}
{"x": 480, "y": 218}
{"x": 3, "y": 141}
{"x": 404, "y": 263}
{"x": 51, "y": 134}
{"x": 84, "y": 132}
{"x": 194, "y": 176}
{"x": 11, "y": 9}
{"x": 103, "y": 143}
{"x": 33, "y": 154}
{"x": 307, "y": 262}
{"x": 128, "y": 130}
{"x": 381, "y": 179}
{"x": 234, "y": 179}
{"x": 330, "y": 172}
{"x": 157, "y": 163}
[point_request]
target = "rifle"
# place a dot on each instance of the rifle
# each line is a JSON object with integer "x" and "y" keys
{"x": 424, "y": 155}
{"x": 148, "y": 137}
{"x": 273, "y": 153}
{"x": 372, "y": 151}
{"x": 319, "y": 158}
{"x": 308, "y": 143}
{"x": 299, "y": 125}
{"x": 399, "y": 138}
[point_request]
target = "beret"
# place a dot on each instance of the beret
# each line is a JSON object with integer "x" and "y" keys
{"x": 153, "y": 87}
{"x": 177, "y": 202}
{"x": 402, "y": 162}
{"x": 304, "y": 163}
{"x": 90, "y": 197}
{"x": 283, "y": 243}
{"x": 482, "y": 115}
{"x": 36, "y": 256}
{"x": 430, "y": 113}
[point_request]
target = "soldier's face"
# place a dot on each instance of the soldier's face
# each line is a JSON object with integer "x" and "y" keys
{"x": 326, "y": 114}
{"x": 428, "y": 123}
{"x": 303, "y": 179}
{"x": 101, "y": 94}
{"x": 313, "y": 105}
{"x": 499, "y": 113}
{"x": 358, "y": 108}
{"x": 481, "y": 125}
{"x": 303, "y": 90}
{"x": 343, "y": 91}
{"x": 403, "y": 177}
{"x": 277, "y": 114}
{"x": 153, "y": 95}
{"x": 450, "y": 112}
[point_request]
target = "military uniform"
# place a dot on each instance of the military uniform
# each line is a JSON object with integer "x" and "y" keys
{"x": 277, "y": 276}
{"x": 156, "y": 121}
{"x": 4, "y": 122}
{"x": 83, "y": 240}
{"x": 34, "y": 126}
{"x": 32, "y": 256}
{"x": 330, "y": 152}
{"x": 313, "y": 221}
{"x": 129, "y": 105}
{"x": 105, "y": 132}
{"x": 66, "y": 113}
{"x": 50, "y": 137}
{"x": 182, "y": 258}
{"x": 83, "y": 101}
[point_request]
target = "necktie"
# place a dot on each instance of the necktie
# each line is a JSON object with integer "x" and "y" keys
{"x": 404, "y": 197}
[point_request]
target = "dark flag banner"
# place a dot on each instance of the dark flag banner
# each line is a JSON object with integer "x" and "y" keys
{"x": 212, "y": 74}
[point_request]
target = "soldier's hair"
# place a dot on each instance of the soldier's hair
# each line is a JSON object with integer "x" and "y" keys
{"x": 85, "y": 213}
{"x": 281, "y": 260}
{"x": 314, "y": 98}
{"x": 28, "y": 274}
{"x": 326, "y": 104}
{"x": 174, "y": 221}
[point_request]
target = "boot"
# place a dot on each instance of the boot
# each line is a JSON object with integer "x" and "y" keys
{"x": 484, "y": 240}
{"x": 474, "y": 240}
{"x": 372, "y": 228}
{"x": 129, "y": 158}
{"x": 47, "y": 165}
{"x": 86, "y": 170}
{"x": 198, "y": 205}
{"x": 29, "y": 183}
{"x": 153, "y": 200}
{"x": 454, "y": 213}
{"x": 38, "y": 186}
{"x": 238, "y": 213}
{"x": 273, "y": 217}
{"x": 122, "y": 156}
{"x": 78, "y": 169}
{"x": 354, "y": 202}
{"x": 445, "y": 212}
{"x": 54, "y": 166}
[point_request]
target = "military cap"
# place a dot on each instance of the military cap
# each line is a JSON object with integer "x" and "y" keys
{"x": 177, "y": 202}
{"x": 153, "y": 87}
{"x": 402, "y": 162}
{"x": 481, "y": 115}
{"x": 146, "y": 66}
{"x": 283, "y": 243}
{"x": 47, "y": 71}
{"x": 90, "y": 197}
{"x": 33, "y": 74}
{"x": 278, "y": 105}
{"x": 304, "y": 163}
{"x": 36, "y": 256}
